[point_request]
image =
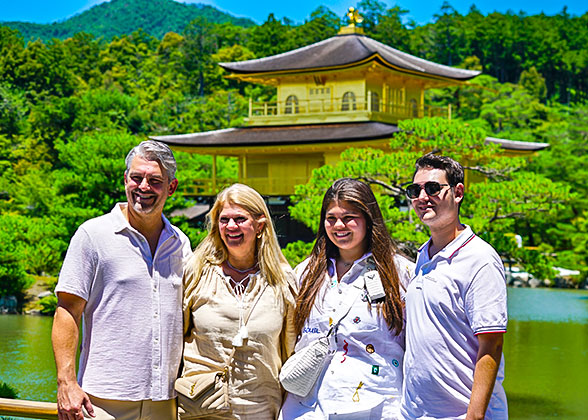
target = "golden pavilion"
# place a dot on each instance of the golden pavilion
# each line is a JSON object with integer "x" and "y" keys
{"x": 346, "y": 91}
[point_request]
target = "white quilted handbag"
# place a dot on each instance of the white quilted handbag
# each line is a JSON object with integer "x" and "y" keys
{"x": 302, "y": 369}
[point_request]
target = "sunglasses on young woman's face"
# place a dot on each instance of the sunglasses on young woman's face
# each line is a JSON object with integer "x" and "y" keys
{"x": 432, "y": 188}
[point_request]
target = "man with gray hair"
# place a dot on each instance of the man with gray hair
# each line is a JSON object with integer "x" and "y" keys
{"x": 122, "y": 275}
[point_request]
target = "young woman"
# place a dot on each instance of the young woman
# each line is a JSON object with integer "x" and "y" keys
{"x": 363, "y": 380}
{"x": 238, "y": 266}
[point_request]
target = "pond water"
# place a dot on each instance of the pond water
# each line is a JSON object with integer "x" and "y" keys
{"x": 545, "y": 350}
{"x": 546, "y": 354}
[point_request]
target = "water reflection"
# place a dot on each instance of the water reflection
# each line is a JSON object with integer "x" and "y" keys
{"x": 27, "y": 357}
{"x": 551, "y": 305}
{"x": 546, "y": 354}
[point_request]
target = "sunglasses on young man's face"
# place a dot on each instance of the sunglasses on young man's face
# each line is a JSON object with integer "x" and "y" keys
{"x": 432, "y": 188}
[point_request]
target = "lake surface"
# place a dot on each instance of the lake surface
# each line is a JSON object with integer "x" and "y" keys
{"x": 546, "y": 354}
{"x": 545, "y": 350}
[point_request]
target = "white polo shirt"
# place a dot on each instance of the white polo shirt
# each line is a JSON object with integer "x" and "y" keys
{"x": 364, "y": 378}
{"x": 132, "y": 323}
{"x": 457, "y": 294}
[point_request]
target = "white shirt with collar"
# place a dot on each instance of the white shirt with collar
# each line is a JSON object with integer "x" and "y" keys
{"x": 132, "y": 323}
{"x": 364, "y": 378}
{"x": 458, "y": 293}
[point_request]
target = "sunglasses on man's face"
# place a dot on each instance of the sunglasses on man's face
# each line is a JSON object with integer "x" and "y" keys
{"x": 432, "y": 188}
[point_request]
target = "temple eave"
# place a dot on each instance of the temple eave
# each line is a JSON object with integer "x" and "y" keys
{"x": 259, "y": 76}
{"x": 315, "y": 135}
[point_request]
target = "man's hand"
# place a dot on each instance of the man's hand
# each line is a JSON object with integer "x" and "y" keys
{"x": 70, "y": 397}
{"x": 70, "y": 400}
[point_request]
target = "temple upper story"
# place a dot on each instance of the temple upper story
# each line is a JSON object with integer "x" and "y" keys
{"x": 346, "y": 78}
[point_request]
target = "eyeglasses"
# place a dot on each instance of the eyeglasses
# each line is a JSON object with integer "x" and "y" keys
{"x": 238, "y": 220}
{"x": 432, "y": 188}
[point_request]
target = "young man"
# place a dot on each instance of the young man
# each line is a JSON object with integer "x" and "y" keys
{"x": 455, "y": 308}
{"x": 123, "y": 273}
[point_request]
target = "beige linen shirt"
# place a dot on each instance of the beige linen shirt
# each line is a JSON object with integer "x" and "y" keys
{"x": 211, "y": 320}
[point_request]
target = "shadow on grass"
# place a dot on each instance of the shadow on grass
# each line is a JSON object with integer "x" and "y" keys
{"x": 521, "y": 406}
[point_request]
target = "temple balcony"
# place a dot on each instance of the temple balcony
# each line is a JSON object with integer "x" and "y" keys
{"x": 265, "y": 185}
{"x": 337, "y": 110}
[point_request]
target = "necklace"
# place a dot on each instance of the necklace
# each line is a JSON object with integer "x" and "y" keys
{"x": 241, "y": 271}
{"x": 239, "y": 286}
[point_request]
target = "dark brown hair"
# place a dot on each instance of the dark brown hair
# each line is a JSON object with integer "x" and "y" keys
{"x": 453, "y": 170}
{"x": 359, "y": 196}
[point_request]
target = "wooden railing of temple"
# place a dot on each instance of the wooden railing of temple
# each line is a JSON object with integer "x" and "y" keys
{"x": 28, "y": 409}
{"x": 357, "y": 108}
{"x": 264, "y": 185}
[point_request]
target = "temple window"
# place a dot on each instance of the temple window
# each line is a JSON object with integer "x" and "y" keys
{"x": 414, "y": 107}
{"x": 348, "y": 102}
{"x": 291, "y": 105}
{"x": 375, "y": 102}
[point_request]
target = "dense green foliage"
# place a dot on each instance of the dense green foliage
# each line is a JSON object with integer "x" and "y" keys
{"x": 7, "y": 391}
{"x": 70, "y": 110}
{"x": 506, "y": 191}
{"x": 120, "y": 17}
{"x": 506, "y": 46}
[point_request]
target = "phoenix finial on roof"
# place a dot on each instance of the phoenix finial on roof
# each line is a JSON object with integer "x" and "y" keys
{"x": 354, "y": 16}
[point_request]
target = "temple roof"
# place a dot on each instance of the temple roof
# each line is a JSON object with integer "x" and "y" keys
{"x": 517, "y": 145}
{"x": 345, "y": 51}
{"x": 281, "y": 135}
{"x": 308, "y": 134}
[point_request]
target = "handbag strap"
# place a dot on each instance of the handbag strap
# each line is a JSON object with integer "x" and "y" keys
{"x": 245, "y": 320}
{"x": 349, "y": 301}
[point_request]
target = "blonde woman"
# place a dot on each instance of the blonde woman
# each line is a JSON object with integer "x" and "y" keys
{"x": 238, "y": 266}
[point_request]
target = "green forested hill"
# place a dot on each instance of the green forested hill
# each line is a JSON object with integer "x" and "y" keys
{"x": 119, "y": 17}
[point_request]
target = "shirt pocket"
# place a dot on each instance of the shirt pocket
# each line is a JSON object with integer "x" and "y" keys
{"x": 176, "y": 271}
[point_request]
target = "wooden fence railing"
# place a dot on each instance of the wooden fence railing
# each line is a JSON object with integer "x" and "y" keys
{"x": 28, "y": 409}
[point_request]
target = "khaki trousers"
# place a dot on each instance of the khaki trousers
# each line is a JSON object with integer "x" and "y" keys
{"x": 132, "y": 410}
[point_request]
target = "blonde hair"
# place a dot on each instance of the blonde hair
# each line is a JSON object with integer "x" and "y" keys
{"x": 212, "y": 250}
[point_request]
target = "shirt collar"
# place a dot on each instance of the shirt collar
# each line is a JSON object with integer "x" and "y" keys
{"x": 121, "y": 223}
{"x": 452, "y": 247}
{"x": 332, "y": 263}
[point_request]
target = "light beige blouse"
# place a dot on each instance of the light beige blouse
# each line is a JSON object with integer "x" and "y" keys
{"x": 211, "y": 320}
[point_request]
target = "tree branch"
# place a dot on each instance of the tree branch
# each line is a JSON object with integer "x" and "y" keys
{"x": 493, "y": 174}
{"x": 395, "y": 190}
{"x": 514, "y": 214}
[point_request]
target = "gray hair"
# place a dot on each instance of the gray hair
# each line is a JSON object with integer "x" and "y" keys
{"x": 154, "y": 151}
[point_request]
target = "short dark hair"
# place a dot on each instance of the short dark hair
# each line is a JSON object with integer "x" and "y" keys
{"x": 453, "y": 170}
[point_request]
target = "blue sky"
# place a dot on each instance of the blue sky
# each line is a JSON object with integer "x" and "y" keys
{"x": 46, "y": 11}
